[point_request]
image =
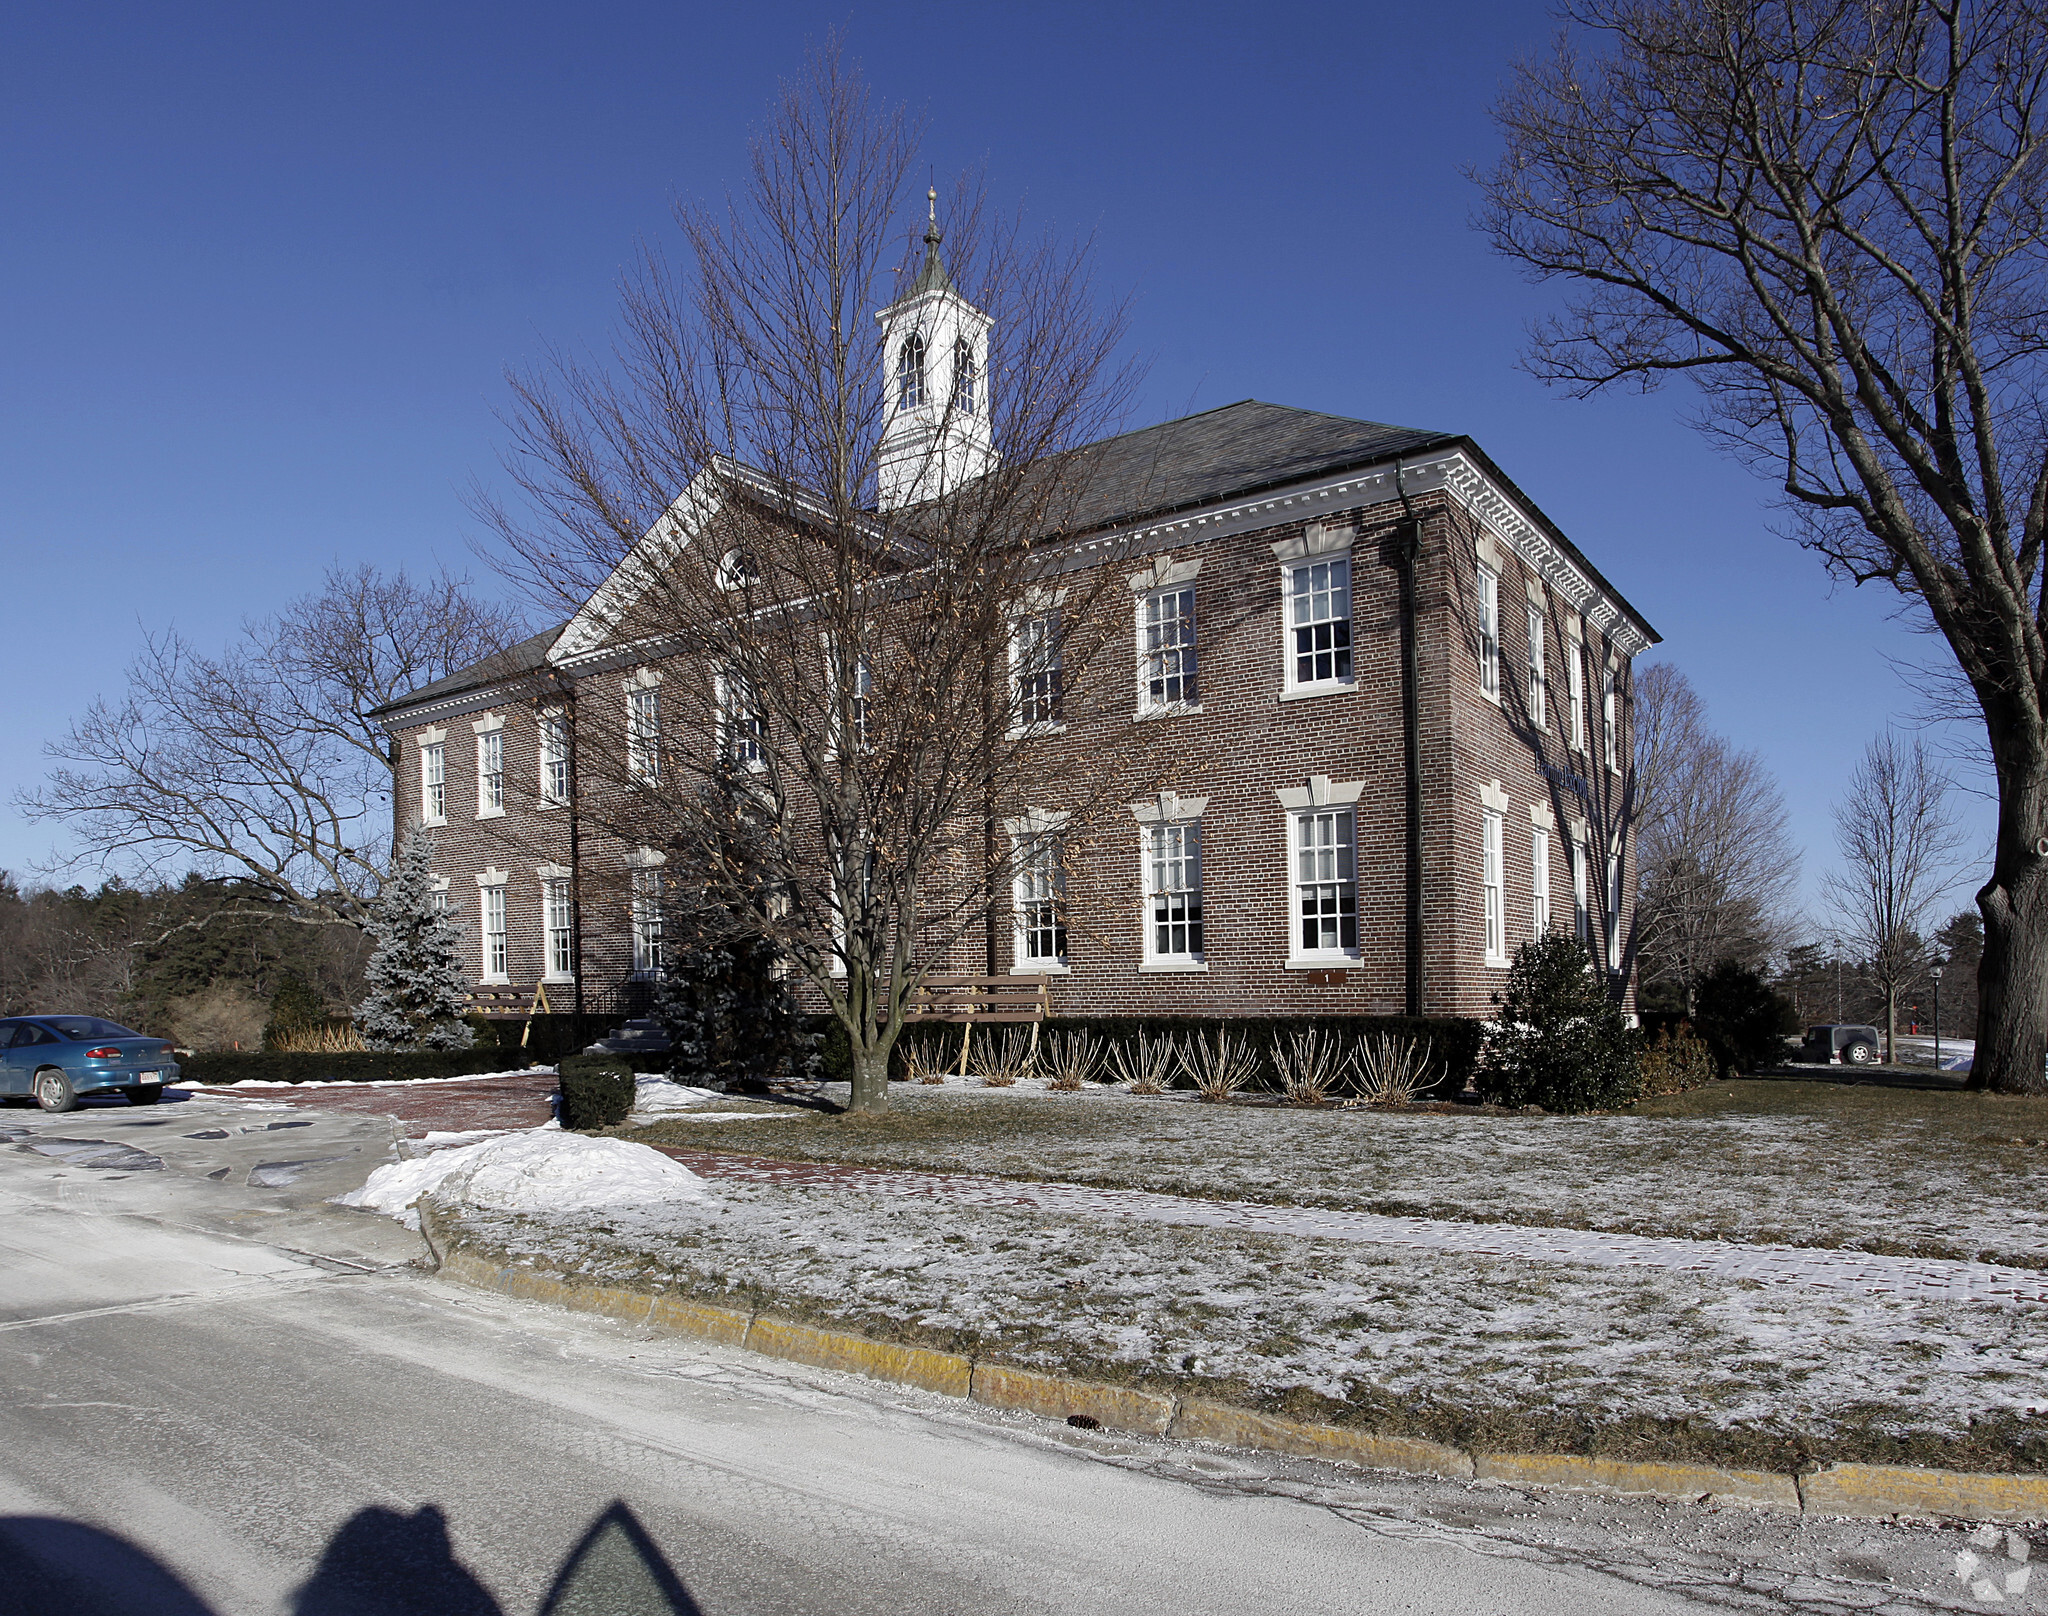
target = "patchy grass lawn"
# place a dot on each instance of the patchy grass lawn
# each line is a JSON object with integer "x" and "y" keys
{"x": 1903, "y": 1170}
{"x": 1481, "y": 1352}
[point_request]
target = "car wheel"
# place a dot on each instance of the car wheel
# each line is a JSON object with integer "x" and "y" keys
{"x": 144, "y": 1096}
{"x": 54, "y": 1091}
{"x": 1860, "y": 1054}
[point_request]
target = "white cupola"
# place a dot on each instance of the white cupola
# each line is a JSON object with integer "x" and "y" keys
{"x": 935, "y": 383}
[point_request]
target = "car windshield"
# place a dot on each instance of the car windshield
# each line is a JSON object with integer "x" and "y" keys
{"x": 83, "y": 1029}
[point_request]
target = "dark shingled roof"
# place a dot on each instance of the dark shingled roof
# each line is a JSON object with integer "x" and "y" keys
{"x": 525, "y": 657}
{"x": 1226, "y": 452}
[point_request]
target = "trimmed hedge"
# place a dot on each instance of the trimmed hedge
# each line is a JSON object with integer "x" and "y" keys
{"x": 597, "y": 1091}
{"x": 365, "y": 1067}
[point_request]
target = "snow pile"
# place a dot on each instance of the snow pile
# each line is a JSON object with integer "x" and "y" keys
{"x": 653, "y": 1095}
{"x": 542, "y": 1170}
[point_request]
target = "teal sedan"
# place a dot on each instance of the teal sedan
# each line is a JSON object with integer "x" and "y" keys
{"x": 57, "y": 1060}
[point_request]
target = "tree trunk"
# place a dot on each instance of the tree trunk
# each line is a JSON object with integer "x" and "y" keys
{"x": 870, "y": 1080}
{"x": 2012, "y": 977}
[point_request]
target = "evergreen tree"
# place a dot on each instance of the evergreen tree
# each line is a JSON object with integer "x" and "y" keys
{"x": 1743, "y": 1019}
{"x": 295, "y": 1007}
{"x": 1560, "y": 1042}
{"x": 416, "y": 984}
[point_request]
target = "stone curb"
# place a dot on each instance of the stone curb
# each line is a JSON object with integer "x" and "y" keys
{"x": 1854, "y": 1491}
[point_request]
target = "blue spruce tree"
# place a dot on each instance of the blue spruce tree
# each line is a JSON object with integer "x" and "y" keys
{"x": 416, "y": 984}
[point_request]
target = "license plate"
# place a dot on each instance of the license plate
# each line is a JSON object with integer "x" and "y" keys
{"x": 149, "y": 1077}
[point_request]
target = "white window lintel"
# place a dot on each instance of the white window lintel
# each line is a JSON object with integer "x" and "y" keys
{"x": 1317, "y": 539}
{"x": 492, "y": 877}
{"x": 1168, "y": 808}
{"x": 1541, "y": 816}
{"x": 554, "y": 872}
{"x": 1036, "y": 822}
{"x": 1494, "y": 797}
{"x": 488, "y": 723}
{"x": 1164, "y": 574}
{"x": 643, "y": 679}
{"x": 433, "y": 737}
{"x": 646, "y": 858}
{"x": 1321, "y": 792}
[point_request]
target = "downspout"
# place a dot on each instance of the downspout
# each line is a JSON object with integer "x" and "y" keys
{"x": 1406, "y": 547}
{"x": 575, "y": 851}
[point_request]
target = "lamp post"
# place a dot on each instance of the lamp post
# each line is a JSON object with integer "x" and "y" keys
{"x": 1935, "y": 972}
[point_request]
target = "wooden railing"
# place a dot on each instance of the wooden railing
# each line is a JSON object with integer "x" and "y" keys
{"x": 977, "y": 1000}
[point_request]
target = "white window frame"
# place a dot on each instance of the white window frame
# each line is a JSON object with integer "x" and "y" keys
{"x": 1539, "y": 883}
{"x": 643, "y": 734}
{"x": 496, "y": 947}
{"x": 1575, "y": 689}
{"x": 1539, "y": 674}
{"x": 1172, "y": 845}
{"x": 863, "y": 694}
{"x": 557, "y": 929}
{"x": 1043, "y": 712}
{"x": 1614, "y": 911}
{"x": 1182, "y": 654}
{"x": 742, "y": 725}
{"x": 966, "y": 376}
{"x": 439, "y": 898}
{"x": 1343, "y": 854}
{"x": 646, "y": 921}
{"x": 434, "y": 782}
{"x": 1493, "y": 884}
{"x": 1610, "y": 715}
{"x": 553, "y": 751}
{"x": 490, "y": 773}
{"x": 913, "y": 360}
{"x": 1038, "y": 898}
{"x": 1298, "y": 588}
{"x": 1582, "y": 911}
{"x": 1489, "y": 632}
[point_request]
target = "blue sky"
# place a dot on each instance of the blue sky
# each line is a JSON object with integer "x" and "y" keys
{"x": 263, "y": 266}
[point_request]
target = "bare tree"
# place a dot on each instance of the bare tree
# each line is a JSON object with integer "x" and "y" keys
{"x": 1899, "y": 844}
{"x": 261, "y": 762}
{"x": 1831, "y": 215}
{"x": 1713, "y": 854}
{"x": 874, "y": 647}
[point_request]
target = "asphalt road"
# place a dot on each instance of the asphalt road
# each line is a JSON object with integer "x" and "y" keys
{"x": 223, "y": 1396}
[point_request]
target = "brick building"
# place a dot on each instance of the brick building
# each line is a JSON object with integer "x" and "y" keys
{"x": 1413, "y": 693}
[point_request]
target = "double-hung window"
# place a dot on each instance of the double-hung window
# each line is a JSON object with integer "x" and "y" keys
{"x": 1582, "y": 913}
{"x": 1166, "y": 650}
{"x": 1575, "y": 691}
{"x": 1610, "y": 718}
{"x": 849, "y": 715}
{"x": 558, "y": 924}
{"x": 1614, "y": 911}
{"x": 554, "y": 757}
{"x": 1325, "y": 882}
{"x": 490, "y": 772}
{"x": 1489, "y": 632}
{"x": 1040, "y": 895}
{"x": 643, "y": 735}
{"x": 1539, "y": 683}
{"x": 1173, "y": 892}
{"x": 1494, "y": 881}
{"x": 743, "y": 725}
{"x": 1319, "y": 621}
{"x": 1035, "y": 671}
{"x": 434, "y": 783}
{"x": 646, "y": 923}
{"x": 966, "y": 376}
{"x": 1539, "y": 883}
{"x": 493, "y": 901}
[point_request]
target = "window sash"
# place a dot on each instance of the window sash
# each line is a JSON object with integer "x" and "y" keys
{"x": 558, "y": 919}
{"x": 1326, "y": 881}
{"x": 910, "y": 373}
{"x": 643, "y": 734}
{"x": 1493, "y": 878}
{"x": 1489, "y": 631}
{"x": 1319, "y": 616}
{"x": 1166, "y": 649}
{"x": 1173, "y": 890}
{"x": 1575, "y": 681}
{"x": 1539, "y": 884}
{"x": 434, "y": 782}
{"x": 1582, "y": 915}
{"x": 490, "y": 770}
{"x": 1040, "y": 897}
{"x": 966, "y": 376}
{"x": 1539, "y": 695}
{"x": 745, "y": 726}
{"x": 494, "y": 932}
{"x": 1610, "y": 718}
{"x": 554, "y": 758}
{"x": 646, "y": 923}
{"x": 1614, "y": 911}
{"x": 1035, "y": 671}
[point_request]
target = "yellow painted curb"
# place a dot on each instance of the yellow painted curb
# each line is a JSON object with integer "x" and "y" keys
{"x": 1055, "y": 1397}
{"x": 940, "y": 1372}
{"x": 720, "y": 1324}
{"x": 1202, "y": 1421}
{"x": 1639, "y": 1477}
{"x": 1867, "y": 1492}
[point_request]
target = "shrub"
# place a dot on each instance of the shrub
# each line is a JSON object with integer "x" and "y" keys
{"x": 1742, "y": 1018}
{"x": 597, "y": 1091}
{"x": 1676, "y": 1061}
{"x": 1560, "y": 1042}
{"x": 1453, "y": 1041}
{"x": 219, "y": 1019}
{"x": 296, "y": 1010}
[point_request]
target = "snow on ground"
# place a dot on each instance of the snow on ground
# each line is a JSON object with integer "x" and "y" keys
{"x": 539, "y": 1170}
{"x": 374, "y": 1083}
{"x": 1412, "y": 1336}
{"x": 654, "y": 1095}
{"x": 1963, "y": 1184}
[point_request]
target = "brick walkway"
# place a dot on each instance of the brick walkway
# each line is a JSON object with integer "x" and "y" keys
{"x": 1895, "y": 1278}
{"x": 522, "y": 1100}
